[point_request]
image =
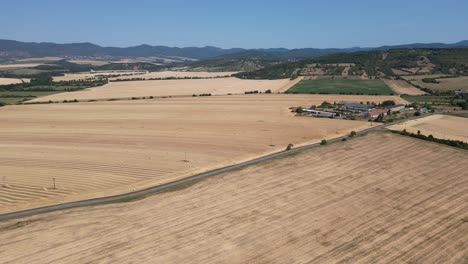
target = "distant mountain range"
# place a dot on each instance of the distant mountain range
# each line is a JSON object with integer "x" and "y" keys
{"x": 17, "y": 49}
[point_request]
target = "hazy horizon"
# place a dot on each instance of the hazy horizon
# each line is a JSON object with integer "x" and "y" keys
{"x": 240, "y": 24}
{"x": 232, "y": 47}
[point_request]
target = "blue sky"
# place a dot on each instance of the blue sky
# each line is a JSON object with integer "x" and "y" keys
{"x": 236, "y": 23}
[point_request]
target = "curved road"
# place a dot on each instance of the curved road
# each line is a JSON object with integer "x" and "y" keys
{"x": 176, "y": 183}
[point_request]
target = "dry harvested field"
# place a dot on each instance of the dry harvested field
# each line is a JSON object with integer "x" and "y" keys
{"x": 420, "y": 77}
{"x": 402, "y": 87}
{"x": 89, "y": 75}
{"x": 103, "y": 148}
{"x": 218, "y": 86}
{"x": 19, "y": 65}
{"x": 92, "y": 62}
{"x": 4, "y": 81}
{"x": 440, "y": 126}
{"x": 457, "y": 83}
{"x": 179, "y": 74}
{"x": 40, "y": 59}
{"x": 353, "y": 202}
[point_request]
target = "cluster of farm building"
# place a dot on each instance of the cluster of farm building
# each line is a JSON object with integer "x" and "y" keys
{"x": 353, "y": 110}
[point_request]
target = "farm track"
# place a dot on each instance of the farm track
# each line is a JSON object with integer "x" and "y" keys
{"x": 352, "y": 202}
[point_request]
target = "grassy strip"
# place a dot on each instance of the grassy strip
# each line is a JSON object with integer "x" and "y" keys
{"x": 449, "y": 142}
{"x": 341, "y": 86}
{"x": 428, "y": 99}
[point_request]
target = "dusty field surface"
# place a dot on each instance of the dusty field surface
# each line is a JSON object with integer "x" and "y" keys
{"x": 440, "y": 126}
{"x": 179, "y": 74}
{"x": 352, "y": 202}
{"x": 103, "y": 148}
{"x": 4, "y": 81}
{"x": 402, "y": 87}
{"x": 218, "y": 86}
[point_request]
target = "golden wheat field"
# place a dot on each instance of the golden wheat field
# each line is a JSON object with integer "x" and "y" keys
{"x": 94, "y": 75}
{"x": 18, "y": 65}
{"x": 127, "y": 89}
{"x": 139, "y": 74}
{"x": 178, "y": 74}
{"x": 351, "y": 202}
{"x": 402, "y": 87}
{"x": 103, "y": 148}
{"x": 218, "y": 86}
{"x": 439, "y": 126}
{"x": 5, "y": 81}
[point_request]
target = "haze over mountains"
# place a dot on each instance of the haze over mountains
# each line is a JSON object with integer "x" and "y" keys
{"x": 18, "y": 49}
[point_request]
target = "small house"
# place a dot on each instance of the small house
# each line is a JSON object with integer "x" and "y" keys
{"x": 376, "y": 112}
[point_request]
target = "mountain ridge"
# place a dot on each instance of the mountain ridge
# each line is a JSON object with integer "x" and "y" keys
{"x": 18, "y": 49}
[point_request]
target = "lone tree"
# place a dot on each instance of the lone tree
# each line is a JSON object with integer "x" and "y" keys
{"x": 387, "y": 103}
{"x": 324, "y": 142}
{"x": 289, "y": 147}
{"x": 352, "y": 134}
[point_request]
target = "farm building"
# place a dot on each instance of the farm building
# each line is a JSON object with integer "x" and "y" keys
{"x": 376, "y": 112}
{"x": 320, "y": 113}
{"x": 395, "y": 108}
{"x": 461, "y": 92}
{"x": 356, "y": 107}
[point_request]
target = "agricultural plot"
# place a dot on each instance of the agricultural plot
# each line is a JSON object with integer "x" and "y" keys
{"x": 423, "y": 76}
{"x": 356, "y": 202}
{"x": 402, "y": 87}
{"x": 103, "y": 148}
{"x": 93, "y": 75}
{"x": 178, "y": 74}
{"x": 446, "y": 84}
{"x": 428, "y": 99}
{"x": 218, "y": 86}
{"x": 341, "y": 86}
{"x": 5, "y": 81}
{"x": 18, "y": 65}
{"x": 91, "y": 62}
{"x": 15, "y": 97}
{"x": 439, "y": 126}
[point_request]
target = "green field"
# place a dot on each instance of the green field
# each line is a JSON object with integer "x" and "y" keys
{"x": 341, "y": 86}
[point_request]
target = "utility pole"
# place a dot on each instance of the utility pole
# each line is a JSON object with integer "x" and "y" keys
{"x": 53, "y": 179}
